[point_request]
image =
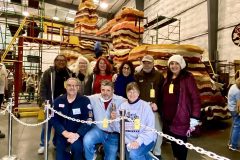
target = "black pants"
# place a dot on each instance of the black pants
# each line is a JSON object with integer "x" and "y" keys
{"x": 179, "y": 151}
{"x": 31, "y": 91}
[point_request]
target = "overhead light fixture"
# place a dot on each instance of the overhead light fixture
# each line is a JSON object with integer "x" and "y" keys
{"x": 103, "y": 5}
{"x": 96, "y": 1}
{"x": 55, "y": 18}
{"x": 72, "y": 12}
{"x": 69, "y": 19}
{"x": 25, "y": 13}
{"x": 10, "y": 9}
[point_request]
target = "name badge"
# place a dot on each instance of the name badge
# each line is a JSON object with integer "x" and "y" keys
{"x": 170, "y": 90}
{"x": 152, "y": 93}
{"x": 76, "y": 111}
{"x": 61, "y": 105}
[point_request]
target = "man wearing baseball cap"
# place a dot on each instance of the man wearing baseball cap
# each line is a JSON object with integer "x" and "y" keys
{"x": 150, "y": 83}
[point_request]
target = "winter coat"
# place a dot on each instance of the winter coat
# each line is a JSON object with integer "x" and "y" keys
{"x": 189, "y": 105}
{"x": 46, "y": 89}
{"x": 121, "y": 84}
{"x": 147, "y": 81}
{"x": 79, "y": 109}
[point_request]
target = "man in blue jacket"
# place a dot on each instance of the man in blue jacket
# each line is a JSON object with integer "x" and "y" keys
{"x": 52, "y": 86}
{"x": 70, "y": 133}
{"x": 102, "y": 106}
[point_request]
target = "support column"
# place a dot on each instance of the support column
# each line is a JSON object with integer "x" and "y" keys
{"x": 139, "y": 4}
{"x": 18, "y": 72}
{"x": 212, "y": 8}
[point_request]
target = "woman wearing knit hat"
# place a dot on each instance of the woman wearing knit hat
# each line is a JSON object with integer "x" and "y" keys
{"x": 180, "y": 104}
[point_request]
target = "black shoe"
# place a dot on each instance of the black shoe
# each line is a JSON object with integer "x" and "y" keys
{"x": 2, "y": 135}
{"x": 159, "y": 157}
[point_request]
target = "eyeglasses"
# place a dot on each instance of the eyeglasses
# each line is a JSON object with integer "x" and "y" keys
{"x": 72, "y": 85}
{"x": 126, "y": 68}
{"x": 83, "y": 63}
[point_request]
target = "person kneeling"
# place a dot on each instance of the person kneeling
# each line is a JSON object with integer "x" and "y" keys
{"x": 139, "y": 142}
{"x": 70, "y": 134}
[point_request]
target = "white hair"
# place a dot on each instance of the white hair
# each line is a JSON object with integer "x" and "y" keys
{"x": 75, "y": 66}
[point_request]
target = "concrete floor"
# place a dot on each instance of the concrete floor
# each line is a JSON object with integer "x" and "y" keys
{"x": 214, "y": 137}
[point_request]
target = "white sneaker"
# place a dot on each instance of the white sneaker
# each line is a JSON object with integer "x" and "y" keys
{"x": 41, "y": 150}
{"x": 95, "y": 156}
{"x": 153, "y": 156}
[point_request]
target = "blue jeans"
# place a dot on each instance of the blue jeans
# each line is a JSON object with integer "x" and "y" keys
{"x": 141, "y": 153}
{"x": 31, "y": 96}
{"x": 110, "y": 143}
{"x": 49, "y": 134}
{"x": 64, "y": 148}
{"x": 234, "y": 138}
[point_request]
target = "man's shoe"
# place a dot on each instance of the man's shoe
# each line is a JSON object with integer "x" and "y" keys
{"x": 2, "y": 135}
{"x": 159, "y": 157}
{"x": 233, "y": 149}
{"x": 95, "y": 156}
{"x": 155, "y": 157}
{"x": 41, "y": 150}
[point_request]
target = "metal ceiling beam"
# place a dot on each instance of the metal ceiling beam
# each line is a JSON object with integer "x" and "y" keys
{"x": 119, "y": 7}
{"x": 114, "y": 10}
{"x": 74, "y": 7}
{"x": 20, "y": 17}
{"x": 62, "y": 4}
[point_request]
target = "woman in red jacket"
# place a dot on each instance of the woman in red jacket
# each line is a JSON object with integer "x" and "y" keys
{"x": 180, "y": 104}
{"x": 101, "y": 71}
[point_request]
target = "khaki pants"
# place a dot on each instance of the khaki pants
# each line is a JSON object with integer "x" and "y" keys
{"x": 158, "y": 127}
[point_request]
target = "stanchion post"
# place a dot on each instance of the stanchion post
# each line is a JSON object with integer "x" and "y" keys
{"x": 46, "y": 130}
{"x": 10, "y": 156}
{"x": 122, "y": 134}
{"x": 10, "y": 128}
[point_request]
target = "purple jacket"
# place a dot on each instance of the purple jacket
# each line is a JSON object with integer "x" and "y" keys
{"x": 189, "y": 105}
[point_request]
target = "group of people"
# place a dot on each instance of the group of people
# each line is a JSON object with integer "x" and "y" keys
{"x": 171, "y": 104}
{"x": 29, "y": 85}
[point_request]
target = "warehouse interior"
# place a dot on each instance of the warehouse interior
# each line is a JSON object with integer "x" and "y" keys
{"x": 205, "y": 32}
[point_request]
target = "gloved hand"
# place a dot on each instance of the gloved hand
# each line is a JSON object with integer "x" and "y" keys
{"x": 193, "y": 123}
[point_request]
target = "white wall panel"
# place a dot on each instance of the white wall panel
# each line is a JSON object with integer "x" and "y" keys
{"x": 131, "y": 3}
{"x": 194, "y": 23}
{"x": 168, "y": 8}
{"x": 226, "y": 48}
{"x": 228, "y": 16}
{"x": 48, "y": 57}
{"x": 228, "y": 12}
{"x": 148, "y": 3}
{"x": 193, "y": 18}
{"x": 201, "y": 41}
